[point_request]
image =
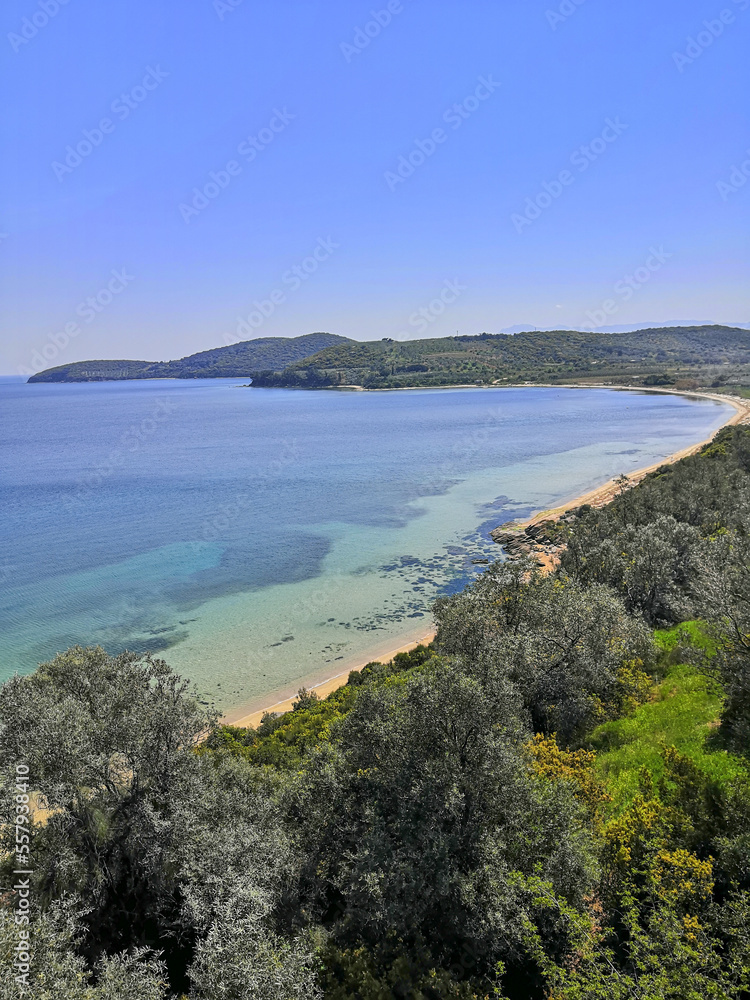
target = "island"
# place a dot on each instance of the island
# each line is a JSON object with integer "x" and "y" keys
{"x": 240, "y": 360}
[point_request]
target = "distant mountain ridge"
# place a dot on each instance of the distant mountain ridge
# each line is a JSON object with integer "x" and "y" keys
{"x": 661, "y": 355}
{"x": 627, "y": 327}
{"x": 240, "y": 360}
{"x": 657, "y": 356}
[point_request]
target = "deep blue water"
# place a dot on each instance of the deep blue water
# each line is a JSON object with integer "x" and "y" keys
{"x": 199, "y": 517}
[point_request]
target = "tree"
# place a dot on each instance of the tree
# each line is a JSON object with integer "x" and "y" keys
{"x": 238, "y": 878}
{"x": 57, "y": 971}
{"x": 172, "y": 851}
{"x": 108, "y": 742}
{"x": 423, "y": 823}
{"x": 725, "y": 602}
{"x": 305, "y": 699}
{"x": 653, "y": 566}
{"x": 565, "y": 647}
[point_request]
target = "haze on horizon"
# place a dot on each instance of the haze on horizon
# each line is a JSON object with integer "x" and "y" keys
{"x": 172, "y": 172}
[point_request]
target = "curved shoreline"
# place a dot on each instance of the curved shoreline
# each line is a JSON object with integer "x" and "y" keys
{"x": 601, "y": 495}
{"x": 280, "y": 701}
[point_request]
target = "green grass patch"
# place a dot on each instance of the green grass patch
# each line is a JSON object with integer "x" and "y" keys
{"x": 683, "y": 712}
{"x": 687, "y": 634}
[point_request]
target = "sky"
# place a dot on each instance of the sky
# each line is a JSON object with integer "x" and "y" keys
{"x": 182, "y": 174}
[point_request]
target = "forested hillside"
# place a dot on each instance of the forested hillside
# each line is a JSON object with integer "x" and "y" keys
{"x": 551, "y": 802}
{"x": 654, "y": 357}
{"x": 234, "y": 361}
{"x": 709, "y": 355}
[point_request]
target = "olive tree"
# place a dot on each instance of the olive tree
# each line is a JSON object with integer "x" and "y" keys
{"x": 652, "y": 566}
{"x": 569, "y": 650}
{"x": 238, "y": 876}
{"x": 57, "y": 971}
{"x": 173, "y": 850}
{"x": 108, "y": 742}
{"x": 423, "y": 825}
{"x": 725, "y": 602}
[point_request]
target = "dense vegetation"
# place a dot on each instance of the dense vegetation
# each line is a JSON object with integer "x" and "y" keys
{"x": 682, "y": 357}
{"x": 240, "y": 360}
{"x": 552, "y": 801}
{"x": 667, "y": 356}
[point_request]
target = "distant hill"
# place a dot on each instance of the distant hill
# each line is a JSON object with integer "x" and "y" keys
{"x": 657, "y": 356}
{"x": 235, "y": 361}
{"x": 630, "y": 327}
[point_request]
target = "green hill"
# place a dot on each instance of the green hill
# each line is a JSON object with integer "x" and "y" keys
{"x": 657, "y": 356}
{"x": 235, "y": 361}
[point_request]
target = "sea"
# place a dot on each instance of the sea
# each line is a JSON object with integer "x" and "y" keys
{"x": 260, "y": 538}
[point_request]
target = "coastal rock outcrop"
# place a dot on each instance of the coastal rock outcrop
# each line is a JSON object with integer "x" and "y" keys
{"x": 541, "y": 540}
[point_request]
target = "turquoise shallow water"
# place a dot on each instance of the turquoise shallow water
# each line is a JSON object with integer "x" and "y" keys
{"x": 255, "y": 537}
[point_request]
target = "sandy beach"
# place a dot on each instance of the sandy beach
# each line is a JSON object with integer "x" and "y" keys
{"x": 281, "y": 700}
{"x": 601, "y": 495}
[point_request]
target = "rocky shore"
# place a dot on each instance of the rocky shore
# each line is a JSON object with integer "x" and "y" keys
{"x": 542, "y": 541}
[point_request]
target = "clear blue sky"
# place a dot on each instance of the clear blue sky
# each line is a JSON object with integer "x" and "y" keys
{"x": 317, "y": 122}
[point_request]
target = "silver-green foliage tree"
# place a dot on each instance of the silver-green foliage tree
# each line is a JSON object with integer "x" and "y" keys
{"x": 157, "y": 851}
{"x": 567, "y": 649}
{"x": 58, "y": 971}
{"x": 724, "y": 599}
{"x": 425, "y": 828}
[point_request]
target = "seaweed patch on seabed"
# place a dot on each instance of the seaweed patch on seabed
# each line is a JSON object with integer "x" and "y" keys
{"x": 427, "y": 579}
{"x": 155, "y": 641}
{"x": 497, "y": 513}
{"x": 424, "y": 580}
{"x": 286, "y": 638}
